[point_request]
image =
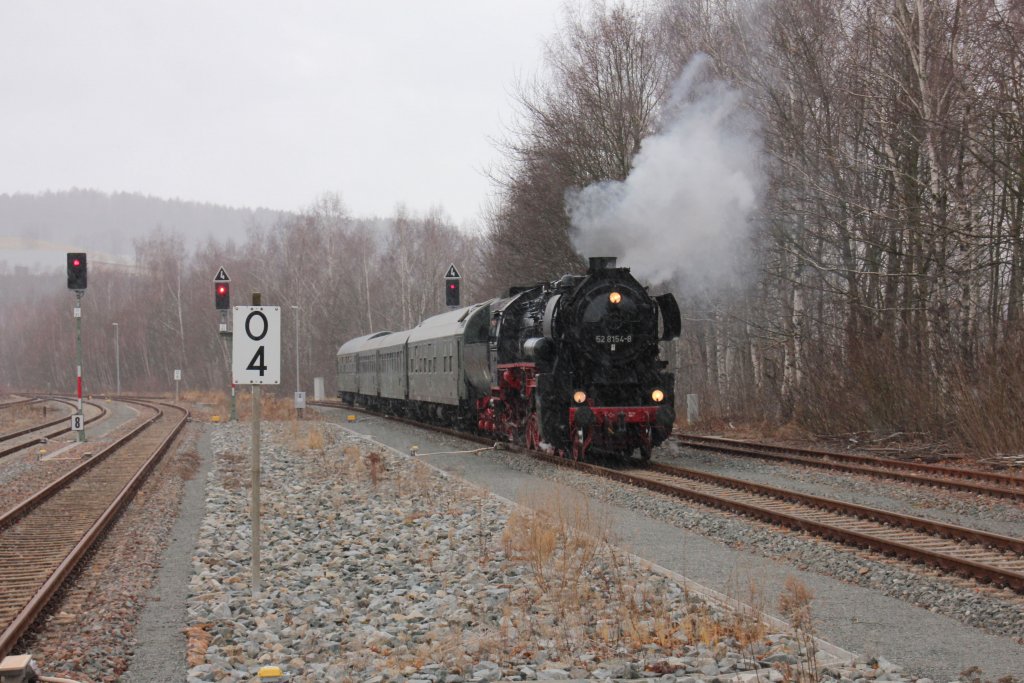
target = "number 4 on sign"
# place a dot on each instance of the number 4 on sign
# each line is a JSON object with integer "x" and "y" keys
{"x": 256, "y": 345}
{"x": 257, "y": 363}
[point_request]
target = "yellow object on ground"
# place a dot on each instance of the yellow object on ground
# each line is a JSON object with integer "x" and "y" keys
{"x": 215, "y": 418}
{"x": 351, "y": 418}
{"x": 271, "y": 673}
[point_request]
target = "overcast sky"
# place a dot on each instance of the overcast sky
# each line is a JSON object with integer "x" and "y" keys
{"x": 256, "y": 103}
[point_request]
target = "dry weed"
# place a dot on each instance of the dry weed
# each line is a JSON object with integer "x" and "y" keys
{"x": 316, "y": 440}
{"x": 795, "y": 606}
{"x": 374, "y": 459}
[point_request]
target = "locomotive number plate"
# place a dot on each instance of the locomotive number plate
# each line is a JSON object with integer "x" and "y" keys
{"x": 613, "y": 338}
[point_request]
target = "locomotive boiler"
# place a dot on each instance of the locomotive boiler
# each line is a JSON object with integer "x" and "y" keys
{"x": 571, "y": 366}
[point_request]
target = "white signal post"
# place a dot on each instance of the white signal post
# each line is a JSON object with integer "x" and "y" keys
{"x": 78, "y": 345}
{"x": 256, "y": 360}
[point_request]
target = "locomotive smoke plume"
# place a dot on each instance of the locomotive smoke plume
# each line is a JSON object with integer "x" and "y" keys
{"x": 685, "y": 211}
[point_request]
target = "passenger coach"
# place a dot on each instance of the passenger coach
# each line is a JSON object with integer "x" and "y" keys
{"x": 436, "y": 370}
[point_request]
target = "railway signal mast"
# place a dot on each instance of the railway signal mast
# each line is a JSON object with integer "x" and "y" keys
{"x": 77, "y": 280}
{"x": 222, "y": 302}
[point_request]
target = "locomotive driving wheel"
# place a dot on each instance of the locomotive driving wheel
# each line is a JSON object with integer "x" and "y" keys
{"x": 533, "y": 432}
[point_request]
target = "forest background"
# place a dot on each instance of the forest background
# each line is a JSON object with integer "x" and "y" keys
{"x": 872, "y": 284}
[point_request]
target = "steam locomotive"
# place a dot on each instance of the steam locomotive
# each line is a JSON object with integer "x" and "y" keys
{"x": 570, "y": 366}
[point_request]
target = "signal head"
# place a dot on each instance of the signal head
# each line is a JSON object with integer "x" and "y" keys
{"x": 222, "y": 296}
{"x": 77, "y": 273}
{"x": 451, "y": 293}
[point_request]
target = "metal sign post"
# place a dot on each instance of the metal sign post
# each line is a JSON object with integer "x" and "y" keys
{"x": 177, "y": 379}
{"x": 254, "y": 505}
{"x": 256, "y": 360}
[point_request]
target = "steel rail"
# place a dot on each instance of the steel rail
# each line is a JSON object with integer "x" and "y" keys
{"x": 974, "y": 481}
{"x": 43, "y": 437}
{"x": 7, "y": 436}
{"x": 19, "y": 402}
{"x": 1009, "y": 577}
{"x": 109, "y": 474}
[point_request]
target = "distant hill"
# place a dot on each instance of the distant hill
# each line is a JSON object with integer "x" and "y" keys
{"x": 36, "y": 229}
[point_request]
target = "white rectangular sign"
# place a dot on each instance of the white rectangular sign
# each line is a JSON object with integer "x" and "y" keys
{"x": 256, "y": 345}
{"x": 177, "y": 375}
{"x": 300, "y": 399}
{"x": 77, "y": 422}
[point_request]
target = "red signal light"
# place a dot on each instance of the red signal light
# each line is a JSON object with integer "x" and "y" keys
{"x": 221, "y": 296}
{"x": 76, "y": 270}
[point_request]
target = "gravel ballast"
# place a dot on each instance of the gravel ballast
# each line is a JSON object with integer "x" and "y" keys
{"x": 862, "y": 603}
{"x": 377, "y": 567}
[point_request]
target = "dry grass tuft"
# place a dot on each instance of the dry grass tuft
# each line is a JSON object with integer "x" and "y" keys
{"x": 207, "y": 404}
{"x": 795, "y": 606}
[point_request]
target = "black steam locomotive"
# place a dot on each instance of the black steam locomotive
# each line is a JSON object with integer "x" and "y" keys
{"x": 570, "y": 366}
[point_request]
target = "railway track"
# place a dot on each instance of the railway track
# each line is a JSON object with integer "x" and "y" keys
{"x": 987, "y": 557}
{"x": 12, "y": 442}
{"x": 46, "y": 536}
{"x": 974, "y": 481}
{"x": 991, "y": 558}
{"x": 17, "y": 402}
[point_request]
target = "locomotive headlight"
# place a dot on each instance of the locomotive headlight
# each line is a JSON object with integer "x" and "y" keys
{"x": 579, "y": 396}
{"x": 658, "y": 395}
{"x": 615, "y": 297}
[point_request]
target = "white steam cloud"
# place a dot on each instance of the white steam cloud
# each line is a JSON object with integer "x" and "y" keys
{"x": 685, "y": 211}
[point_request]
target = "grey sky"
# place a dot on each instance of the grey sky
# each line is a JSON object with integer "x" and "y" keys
{"x": 255, "y": 103}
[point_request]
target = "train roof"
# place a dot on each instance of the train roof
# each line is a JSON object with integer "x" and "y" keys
{"x": 447, "y": 324}
{"x": 353, "y": 345}
{"x": 385, "y": 340}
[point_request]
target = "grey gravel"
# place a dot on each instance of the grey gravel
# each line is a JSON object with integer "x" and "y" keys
{"x": 870, "y": 608}
{"x": 995, "y": 515}
{"x": 383, "y": 569}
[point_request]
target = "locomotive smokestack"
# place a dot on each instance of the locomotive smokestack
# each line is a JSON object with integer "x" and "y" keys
{"x": 601, "y": 263}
